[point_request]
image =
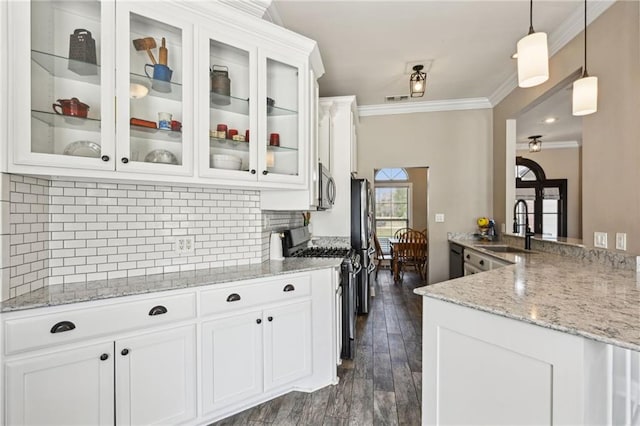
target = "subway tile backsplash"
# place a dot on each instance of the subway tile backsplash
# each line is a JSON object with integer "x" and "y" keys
{"x": 62, "y": 231}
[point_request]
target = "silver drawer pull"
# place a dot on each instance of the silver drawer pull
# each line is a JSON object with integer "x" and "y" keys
{"x": 63, "y": 326}
{"x": 288, "y": 287}
{"x": 234, "y": 297}
{"x": 157, "y": 310}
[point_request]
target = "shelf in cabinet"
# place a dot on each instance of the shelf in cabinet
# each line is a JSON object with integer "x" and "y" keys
{"x": 66, "y": 121}
{"x": 58, "y": 66}
{"x": 243, "y": 146}
{"x": 156, "y": 134}
{"x": 174, "y": 92}
{"x": 241, "y": 106}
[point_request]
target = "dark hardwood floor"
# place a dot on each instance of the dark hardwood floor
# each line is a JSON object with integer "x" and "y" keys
{"x": 382, "y": 385}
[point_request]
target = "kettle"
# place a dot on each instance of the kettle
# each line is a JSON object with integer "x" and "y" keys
{"x": 220, "y": 85}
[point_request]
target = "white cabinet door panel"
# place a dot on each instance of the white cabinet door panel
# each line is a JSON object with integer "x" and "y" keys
{"x": 72, "y": 387}
{"x": 231, "y": 360}
{"x": 287, "y": 344}
{"x": 156, "y": 378}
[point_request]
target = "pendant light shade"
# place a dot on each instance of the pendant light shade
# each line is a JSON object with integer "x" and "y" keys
{"x": 533, "y": 56}
{"x": 585, "y": 90}
{"x": 585, "y": 96}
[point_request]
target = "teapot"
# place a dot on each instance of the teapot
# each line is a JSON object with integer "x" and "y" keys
{"x": 72, "y": 107}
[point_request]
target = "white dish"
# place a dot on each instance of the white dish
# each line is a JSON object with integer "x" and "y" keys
{"x": 229, "y": 162}
{"x": 161, "y": 156}
{"x": 83, "y": 149}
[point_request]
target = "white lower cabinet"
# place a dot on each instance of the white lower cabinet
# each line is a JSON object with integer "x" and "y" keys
{"x": 156, "y": 377}
{"x": 153, "y": 376}
{"x": 287, "y": 344}
{"x": 231, "y": 360}
{"x": 247, "y": 354}
{"x": 70, "y": 387}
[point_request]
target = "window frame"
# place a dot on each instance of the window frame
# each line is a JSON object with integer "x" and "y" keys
{"x": 394, "y": 184}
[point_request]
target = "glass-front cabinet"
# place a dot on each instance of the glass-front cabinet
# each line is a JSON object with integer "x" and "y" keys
{"x": 61, "y": 93}
{"x": 155, "y": 101}
{"x": 250, "y": 114}
{"x": 117, "y": 88}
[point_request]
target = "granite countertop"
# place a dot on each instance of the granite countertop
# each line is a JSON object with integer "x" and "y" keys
{"x": 571, "y": 295}
{"x": 104, "y": 289}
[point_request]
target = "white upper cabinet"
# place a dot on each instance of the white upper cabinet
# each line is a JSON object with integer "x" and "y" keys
{"x": 182, "y": 92}
{"x": 61, "y": 87}
{"x": 155, "y": 88}
{"x": 253, "y": 112}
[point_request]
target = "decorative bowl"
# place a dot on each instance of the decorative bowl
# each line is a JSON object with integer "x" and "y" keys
{"x": 229, "y": 162}
{"x": 161, "y": 156}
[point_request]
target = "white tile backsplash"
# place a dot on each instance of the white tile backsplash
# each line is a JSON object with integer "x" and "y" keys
{"x": 60, "y": 231}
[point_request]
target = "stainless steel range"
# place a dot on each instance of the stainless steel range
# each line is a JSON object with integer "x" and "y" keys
{"x": 295, "y": 244}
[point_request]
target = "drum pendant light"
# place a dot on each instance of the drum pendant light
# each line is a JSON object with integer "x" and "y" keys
{"x": 533, "y": 56}
{"x": 585, "y": 90}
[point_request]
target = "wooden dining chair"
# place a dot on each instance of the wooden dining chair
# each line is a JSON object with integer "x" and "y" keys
{"x": 381, "y": 257}
{"x": 401, "y": 231}
{"x": 412, "y": 249}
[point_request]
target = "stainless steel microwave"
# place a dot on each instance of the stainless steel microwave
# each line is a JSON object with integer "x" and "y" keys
{"x": 326, "y": 190}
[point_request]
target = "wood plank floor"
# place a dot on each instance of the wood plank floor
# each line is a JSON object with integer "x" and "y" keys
{"x": 380, "y": 386}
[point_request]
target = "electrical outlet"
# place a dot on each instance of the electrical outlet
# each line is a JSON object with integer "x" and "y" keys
{"x": 600, "y": 239}
{"x": 184, "y": 245}
{"x": 621, "y": 241}
{"x": 439, "y": 217}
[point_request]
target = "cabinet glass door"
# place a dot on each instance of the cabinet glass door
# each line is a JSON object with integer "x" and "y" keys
{"x": 65, "y": 84}
{"x": 154, "y": 123}
{"x": 281, "y": 160}
{"x": 227, "y": 82}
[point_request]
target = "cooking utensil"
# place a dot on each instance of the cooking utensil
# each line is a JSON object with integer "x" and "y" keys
{"x": 163, "y": 55}
{"x": 220, "y": 85}
{"x": 82, "y": 51}
{"x": 142, "y": 123}
{"x": 147, "y": 44}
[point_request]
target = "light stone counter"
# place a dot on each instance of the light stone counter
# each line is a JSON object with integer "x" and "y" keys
{"x": 104, "y": 289}
{"x": 562, "y": 293}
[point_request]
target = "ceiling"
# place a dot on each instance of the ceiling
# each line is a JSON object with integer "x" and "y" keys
{"x": 365, "y": 45}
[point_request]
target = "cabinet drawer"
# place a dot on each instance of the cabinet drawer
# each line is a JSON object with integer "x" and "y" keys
{"x": 45, "y": 330}
{"x": 481, "y": 262}
{"x": 246, "y": 295}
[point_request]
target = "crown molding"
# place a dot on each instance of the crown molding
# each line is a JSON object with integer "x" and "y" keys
{"x": 559, "y": 38}
{"x": 524, "y": 146}
{"x": 424, "y": 106}
{"x": 252, "y": 7}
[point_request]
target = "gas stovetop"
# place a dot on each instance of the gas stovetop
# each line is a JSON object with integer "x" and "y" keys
{"x": 321, "y": 252}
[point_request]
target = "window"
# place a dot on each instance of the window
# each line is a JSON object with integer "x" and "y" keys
{"x": 392, "y": 203}
{"x": 546, "y": 198}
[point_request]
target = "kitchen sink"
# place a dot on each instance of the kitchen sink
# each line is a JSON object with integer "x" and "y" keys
{"x": 502, "y": 249}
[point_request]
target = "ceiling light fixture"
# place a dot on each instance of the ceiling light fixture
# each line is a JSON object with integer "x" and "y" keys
{"x": 418, "y": 82}
{"x": 533, "y": 56}
{"x": 535, "y": 144}
{"x": 585, "y": 90}
{"x": 550, "y": 120}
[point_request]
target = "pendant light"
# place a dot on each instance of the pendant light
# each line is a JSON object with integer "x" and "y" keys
{"x": 535, "y": 145}
{"x": 533, "y": 56}
{"x": 585, "y": 90}
{"x": 417, "y": 82}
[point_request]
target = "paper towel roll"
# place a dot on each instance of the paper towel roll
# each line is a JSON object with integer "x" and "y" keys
{"x": 275, "y": 250}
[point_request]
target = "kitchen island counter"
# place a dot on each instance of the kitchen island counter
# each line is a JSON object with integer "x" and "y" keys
{"x": 62, "y": 294}
{"x": 571, "y": 295}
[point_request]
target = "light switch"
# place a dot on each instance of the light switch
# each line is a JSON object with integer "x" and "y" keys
{"x": 600, "y": 239}
{"x": 621, "y": 241}
{"x": 439, "y": 217}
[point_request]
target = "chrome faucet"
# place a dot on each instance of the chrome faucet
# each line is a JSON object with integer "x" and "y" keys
{"x": 527, "y": 230}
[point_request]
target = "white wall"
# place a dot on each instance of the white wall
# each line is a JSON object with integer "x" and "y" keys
{"x": 457, "y": 148}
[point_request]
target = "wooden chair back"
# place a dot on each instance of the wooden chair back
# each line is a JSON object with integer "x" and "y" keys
{"x": 401, "y": 231}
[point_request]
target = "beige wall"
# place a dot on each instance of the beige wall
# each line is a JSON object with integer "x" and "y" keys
{"x": 456, "y": 146}
{"x": 563, "y": 163}
{"x": 611, "y": 147}
{"x": 418, "y": 179}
